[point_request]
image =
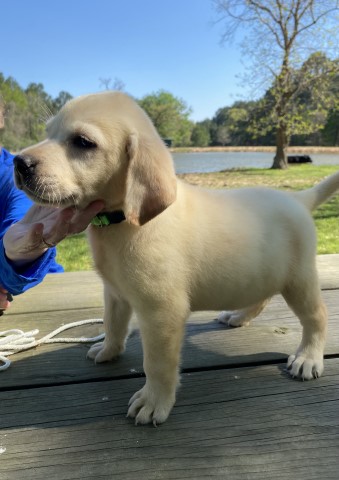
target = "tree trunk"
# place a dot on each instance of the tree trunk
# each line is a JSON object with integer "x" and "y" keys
{"x": 280, "y": 159}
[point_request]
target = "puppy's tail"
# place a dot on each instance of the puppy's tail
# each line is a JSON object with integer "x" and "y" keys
{"x": 315, "y": 196}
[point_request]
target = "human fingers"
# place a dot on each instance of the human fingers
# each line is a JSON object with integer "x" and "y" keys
{"x": 37, "y": 213}
{"x": 70, "y": 221}
{"x": 4, "y": 302}
{"x": 82, "y": 218}
{"x": 57, "y": 227}
{"x": 23, "y": 242}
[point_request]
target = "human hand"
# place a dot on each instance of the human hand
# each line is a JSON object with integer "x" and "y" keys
{"x": 5, "y": 300}
{"x": 44, "y": 227}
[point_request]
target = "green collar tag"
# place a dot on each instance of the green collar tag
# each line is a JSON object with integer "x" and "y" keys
{"x": 105, "y": 219}
{"x": 100, "y": 221}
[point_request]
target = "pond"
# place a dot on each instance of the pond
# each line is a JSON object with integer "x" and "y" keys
{"x": 215, "y": 161}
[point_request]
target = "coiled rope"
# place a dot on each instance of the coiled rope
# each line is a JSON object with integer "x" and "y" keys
{"x": 15, "y": 341}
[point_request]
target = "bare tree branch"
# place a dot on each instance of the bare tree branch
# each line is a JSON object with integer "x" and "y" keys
{"x": 280, "y": 33}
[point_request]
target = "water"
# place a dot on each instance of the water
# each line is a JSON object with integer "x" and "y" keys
{"x": 216, "y": 161}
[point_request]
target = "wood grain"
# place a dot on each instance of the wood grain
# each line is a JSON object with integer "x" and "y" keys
{"x": 270, "y": 338}
{"x": 238, "y": 415}
{"x": 244, "y": 423}
{"x": 75, "y": 290}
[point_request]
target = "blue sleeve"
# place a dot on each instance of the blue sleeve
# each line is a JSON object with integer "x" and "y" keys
{"x": 13, "y": 206}
{"x": 16, "y": 281}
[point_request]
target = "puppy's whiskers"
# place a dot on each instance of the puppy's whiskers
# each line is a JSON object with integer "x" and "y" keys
{"x": 45, "y": 112}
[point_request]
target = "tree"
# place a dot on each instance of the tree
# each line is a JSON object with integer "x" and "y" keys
{"x": 307, "y": 111}
{"x": 238, "y": 119}
{"x": 281, "y": 35}
{"x": 25, "y": 112}
{"x": 330, "y": 133}
{"x": 201, "y": 134}
{"x": 232, "y": 124}
{"x": 331, "y": 130}
{"x": 170, "y": 116}
{"x": 2, "y": 113}
{"x": 40, "y": 109}
{"x": 13, "y": 135}
{"x": 109, "y": 84}
{"x": 60, "y": 100}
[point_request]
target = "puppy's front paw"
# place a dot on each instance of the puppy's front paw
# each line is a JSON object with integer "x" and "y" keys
{"x": 101, "y": 352}
{"x": 233, "y": 319}
{"x": 149, "y": 407}
{"x": 305, "y": 366}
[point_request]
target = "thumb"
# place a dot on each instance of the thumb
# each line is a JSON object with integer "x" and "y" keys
{"x": 35, "y": 234}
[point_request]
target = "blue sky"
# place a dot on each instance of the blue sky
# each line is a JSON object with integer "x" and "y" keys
{"x": 148, "y": 44}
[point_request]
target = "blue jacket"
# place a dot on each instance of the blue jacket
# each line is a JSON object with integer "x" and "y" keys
{"x": 13, "y": 206}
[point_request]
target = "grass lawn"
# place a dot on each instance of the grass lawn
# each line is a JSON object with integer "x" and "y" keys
{"x": 73, "y": 253}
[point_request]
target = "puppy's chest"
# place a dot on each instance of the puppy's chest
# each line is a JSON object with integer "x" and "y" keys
{"x": 112, "y": 254}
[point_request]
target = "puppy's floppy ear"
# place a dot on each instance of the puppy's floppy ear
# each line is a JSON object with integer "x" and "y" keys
{"x": 151, "y": 181}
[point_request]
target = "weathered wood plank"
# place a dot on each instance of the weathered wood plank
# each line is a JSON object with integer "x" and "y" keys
{"x": 61, "y": 291}
{"x": 328, "y": 268}
{"x": 74, "y": 290}
{"x": 239, "y": 424}
{"x": 271, "y": 337}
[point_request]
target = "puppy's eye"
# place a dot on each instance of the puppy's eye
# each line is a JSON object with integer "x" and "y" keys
{"x": 80, "y": 141}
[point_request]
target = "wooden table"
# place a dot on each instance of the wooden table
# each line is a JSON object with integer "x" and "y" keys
{"x": 238, "y": 415}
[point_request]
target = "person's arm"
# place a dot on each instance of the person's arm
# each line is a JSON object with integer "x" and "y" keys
{"x": 27, "y": 249}
{"x": 14, "y": 277}
{"x": 24, "y": 257}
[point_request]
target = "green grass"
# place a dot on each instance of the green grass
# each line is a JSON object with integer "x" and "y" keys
{"x": 326, "y": 219}
{"x": 300, "y": 177}
{"x": 74, "y": 255}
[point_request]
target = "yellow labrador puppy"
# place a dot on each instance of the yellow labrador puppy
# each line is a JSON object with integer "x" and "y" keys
{"x": 165, "y": 248}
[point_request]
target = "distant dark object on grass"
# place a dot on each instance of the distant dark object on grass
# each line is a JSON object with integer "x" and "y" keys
{"x": 168, "y": 142}
{"x": 299, "y": 159}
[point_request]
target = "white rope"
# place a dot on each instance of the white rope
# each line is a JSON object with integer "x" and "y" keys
{"x": 15, "y": 341}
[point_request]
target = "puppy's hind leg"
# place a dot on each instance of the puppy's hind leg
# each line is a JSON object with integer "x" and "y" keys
{"x": 162, "y": 333}
{"x": 116, "y": 318}
{"x": 242, "y": 318}
{"x": 304, "y": 298}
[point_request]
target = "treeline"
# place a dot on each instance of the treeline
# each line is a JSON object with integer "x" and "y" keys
{"x": 304, "y": 100}
{"x": 244, "y": 123}
{"x": 26, "y": 112}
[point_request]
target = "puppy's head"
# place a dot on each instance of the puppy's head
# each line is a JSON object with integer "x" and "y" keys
{"x": 100, "y": 146}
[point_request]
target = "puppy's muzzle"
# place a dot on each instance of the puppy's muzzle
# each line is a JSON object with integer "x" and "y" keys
{"x": 24, "y": 168}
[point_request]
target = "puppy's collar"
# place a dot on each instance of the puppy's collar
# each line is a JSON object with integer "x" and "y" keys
{"x": 104, "y": 219}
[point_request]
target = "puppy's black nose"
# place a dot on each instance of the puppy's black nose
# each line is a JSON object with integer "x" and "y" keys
{"x": 24, "y": 166}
